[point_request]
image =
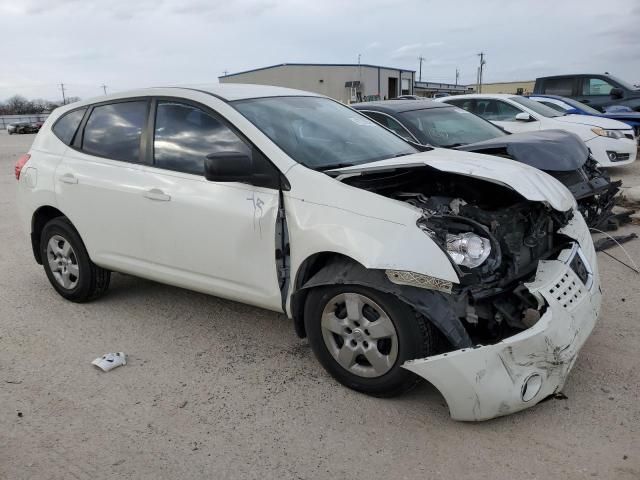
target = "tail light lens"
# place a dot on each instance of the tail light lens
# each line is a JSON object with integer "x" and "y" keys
{"x": 20, "y": 163}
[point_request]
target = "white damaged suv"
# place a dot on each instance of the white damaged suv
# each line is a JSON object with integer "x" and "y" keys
{"x": 473, "y": 272}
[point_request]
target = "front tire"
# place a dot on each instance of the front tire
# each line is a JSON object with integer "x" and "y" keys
{"x": 67, "y": 264}
{"x": 362, "y": 337}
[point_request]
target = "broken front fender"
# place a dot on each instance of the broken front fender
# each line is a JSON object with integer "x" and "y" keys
{"x": 520, "y": 371}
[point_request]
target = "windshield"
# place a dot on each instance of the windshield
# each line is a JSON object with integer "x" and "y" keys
{"x": 321, "y": 133}
{"x": 449, "y": 127}
{"x": 536, "y": 107}
{"x": 582, "y": 106}
{"x": 623, "y": 83}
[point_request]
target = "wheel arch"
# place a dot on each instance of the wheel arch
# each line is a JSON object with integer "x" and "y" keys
{"x": 39, "y": 219}
{"x": 307, "y": 269}
{"x": 329, "y": 268}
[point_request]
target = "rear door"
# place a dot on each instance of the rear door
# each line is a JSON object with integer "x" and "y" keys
{"x": 215, "y": 237}
{"x": 99, "y": 184}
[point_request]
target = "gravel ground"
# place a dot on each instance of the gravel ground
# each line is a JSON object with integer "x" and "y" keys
{"x": 218, "y": 389}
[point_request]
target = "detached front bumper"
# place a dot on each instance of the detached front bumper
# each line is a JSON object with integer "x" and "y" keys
{"x": 520, "y": 371}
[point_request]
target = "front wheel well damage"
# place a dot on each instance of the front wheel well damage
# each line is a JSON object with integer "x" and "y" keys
{"x": 330, "y": 268}
{"x": 40, "y": 218}
{"x": 308, "y": 268}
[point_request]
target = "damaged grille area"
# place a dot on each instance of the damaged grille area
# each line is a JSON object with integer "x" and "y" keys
{"x": 491, "y": 300}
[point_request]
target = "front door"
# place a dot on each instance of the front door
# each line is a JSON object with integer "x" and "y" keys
{"x": 596, "y": 92}
{"x": 214, "y": 237}
{"x": 504, "y": 114}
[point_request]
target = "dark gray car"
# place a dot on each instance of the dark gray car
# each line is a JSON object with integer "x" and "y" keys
{"x": 560, "y": 154}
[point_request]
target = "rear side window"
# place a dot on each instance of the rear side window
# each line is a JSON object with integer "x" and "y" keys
{"x": 114, "y": 131}
{"x": 558, "y": 86}
{"x": 66, "y": 126}
{"x": 185, "y": 135}
{"x": 465, "y": 104}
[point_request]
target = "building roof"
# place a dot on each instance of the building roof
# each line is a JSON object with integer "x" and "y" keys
{"x": 316, "y": 65}
{"x": 397, "y": 106}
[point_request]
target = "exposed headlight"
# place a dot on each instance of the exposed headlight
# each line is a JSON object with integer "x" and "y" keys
{"x": 468, "y": 249}
{"x": 607, "y": 133}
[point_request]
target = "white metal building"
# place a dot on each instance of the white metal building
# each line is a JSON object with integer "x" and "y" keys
{"x": 345, "y": 82}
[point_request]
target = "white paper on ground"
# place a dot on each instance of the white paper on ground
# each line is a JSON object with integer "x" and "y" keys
{"x": 110, "y": 361}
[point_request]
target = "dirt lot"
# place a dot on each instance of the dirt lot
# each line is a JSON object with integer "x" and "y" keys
{"x": 217, "y": 389}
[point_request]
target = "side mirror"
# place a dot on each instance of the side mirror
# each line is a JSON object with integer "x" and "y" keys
{"x": 228, "y": 167}
{"x": 616, "y": 93}
{"x": 523, "y": 117}
{"x": 239, "y": 167}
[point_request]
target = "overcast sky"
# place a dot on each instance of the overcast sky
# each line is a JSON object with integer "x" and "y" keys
{"x": 138, "y": 43}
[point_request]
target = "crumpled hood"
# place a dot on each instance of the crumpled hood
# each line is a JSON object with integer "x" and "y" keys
{"x": 550, "y": 150}
{"x": 593, "y": 121}
{"x": 529, "y": 182}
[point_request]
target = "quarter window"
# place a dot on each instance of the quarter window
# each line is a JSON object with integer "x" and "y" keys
{"x": 65, "y": 128}
{"x": 185, "y": 135}
{"x": 114, "y": 131}
{"x": 596, "y": 86}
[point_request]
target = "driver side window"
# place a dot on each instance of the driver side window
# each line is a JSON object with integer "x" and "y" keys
{"x": 184, "y": 135}
{"x": 596, "y": 86}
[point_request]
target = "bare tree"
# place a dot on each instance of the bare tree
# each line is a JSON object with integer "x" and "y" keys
{"x": 17, "y": 105}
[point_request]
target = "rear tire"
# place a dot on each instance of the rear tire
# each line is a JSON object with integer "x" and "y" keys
{"x": 67, "y": 264}
{"x": 370, "y": 325}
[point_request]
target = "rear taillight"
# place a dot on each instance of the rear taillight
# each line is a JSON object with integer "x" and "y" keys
{"x": 20, "y": 163}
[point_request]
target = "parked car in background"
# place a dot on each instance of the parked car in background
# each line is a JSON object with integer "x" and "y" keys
{"x": 21, "y": 127}
{"x": 396, "y": 263}
{"x": 570, "y": 106}
{"x": 597, "y": 90}
{"x": 612, "y": 143}
{"x": 557, "y": 152}
{"x": 408, "y": 97}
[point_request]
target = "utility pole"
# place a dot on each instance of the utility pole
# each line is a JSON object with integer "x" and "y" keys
{"x": 420, "y": 59}
{"x": 480, "y": 69}
{"x": 64, "y": 100}
{"x": 104, "y": 87}
{"x": 457, "y": 76}
{"x": 225, "y": 73}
